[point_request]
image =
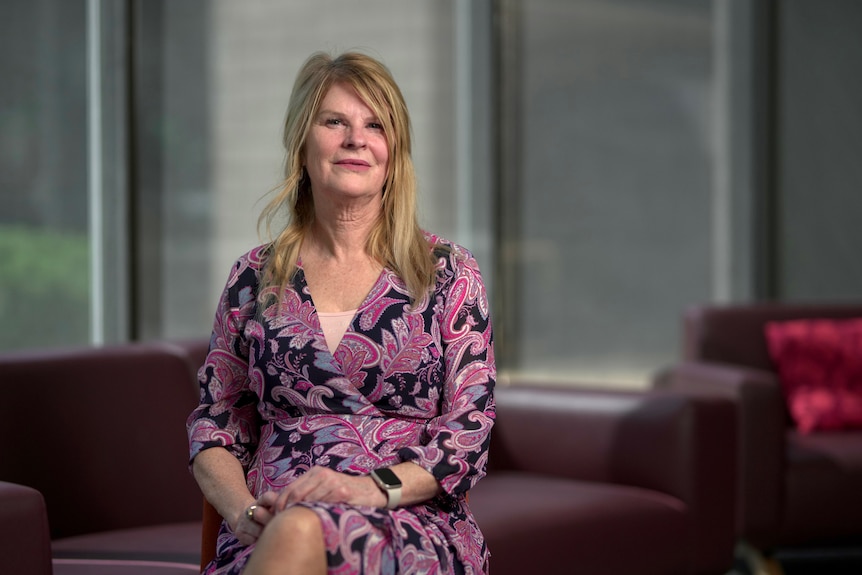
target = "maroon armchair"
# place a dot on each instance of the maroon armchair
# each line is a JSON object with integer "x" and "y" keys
{"x": 25, "y": 546}
{"x": 796, "y": 490}
{"x": 97, "y": 436}
{"x": 608, "y": 482}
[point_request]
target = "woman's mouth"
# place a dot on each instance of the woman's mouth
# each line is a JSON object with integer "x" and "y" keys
{"x": 353, "y": 163}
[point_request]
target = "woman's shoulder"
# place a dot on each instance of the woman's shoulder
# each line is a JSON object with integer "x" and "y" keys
{"x": 452, "y": 259}
{"x": 445, "y": 248}
{"x": 255, "y": 257}
{"x": 246, "y": 269}
{"x": 457, "y": 269}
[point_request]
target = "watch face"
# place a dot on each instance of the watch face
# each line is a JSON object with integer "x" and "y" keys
{"x": 388, "y": 478}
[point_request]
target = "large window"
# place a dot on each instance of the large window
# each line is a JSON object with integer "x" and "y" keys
{"x": 608, "y": 161}
{"x": 44, "y": 245}
{"x": 607, "y": 196}
{"x": 605, "y": 128}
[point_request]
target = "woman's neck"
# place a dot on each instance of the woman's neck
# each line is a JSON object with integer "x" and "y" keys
{"x": 338, "y": 239}
{"x": 341, "y": 227}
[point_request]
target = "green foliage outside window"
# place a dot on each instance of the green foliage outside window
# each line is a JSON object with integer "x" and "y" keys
{"x": 44, "y": 288}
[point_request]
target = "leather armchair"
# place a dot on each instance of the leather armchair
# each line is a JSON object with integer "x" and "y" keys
{"x": 795, "y": 490}
{"x": 99, "y": 433}
{"x": 25, "y": 546}
{"x": 608, "y": 482}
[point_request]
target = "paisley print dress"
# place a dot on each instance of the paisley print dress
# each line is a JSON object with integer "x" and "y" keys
{"x": 404, "y": 384}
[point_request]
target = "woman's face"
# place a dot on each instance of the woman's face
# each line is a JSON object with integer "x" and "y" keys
{"x": 346, "y": 153}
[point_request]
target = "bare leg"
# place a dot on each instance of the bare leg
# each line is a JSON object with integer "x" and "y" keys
{"x": 292, "y": 543}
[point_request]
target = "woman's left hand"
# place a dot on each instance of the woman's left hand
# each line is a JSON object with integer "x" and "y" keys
{"x": 323, "y": 484}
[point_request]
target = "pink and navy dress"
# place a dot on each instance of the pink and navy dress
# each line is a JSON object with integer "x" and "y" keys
{"x": 404, "y": 384}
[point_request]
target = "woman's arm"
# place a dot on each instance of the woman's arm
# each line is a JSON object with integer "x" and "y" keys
{"x": 456, "y": 452}
{"x": 417, "y": 484}
{"x": 222, "y": 481}
{"x": 323, "y": 484}
{"x": 223, "y": 428}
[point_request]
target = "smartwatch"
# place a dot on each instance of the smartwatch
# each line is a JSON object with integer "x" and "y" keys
{"x": 389, "y": 483}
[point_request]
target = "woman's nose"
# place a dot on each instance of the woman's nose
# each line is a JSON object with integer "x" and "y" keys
{"x": 355, "y": 137}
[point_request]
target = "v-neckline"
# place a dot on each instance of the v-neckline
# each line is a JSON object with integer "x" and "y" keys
{"x": 306, "y": 290}
{"x": 365, "y": 299}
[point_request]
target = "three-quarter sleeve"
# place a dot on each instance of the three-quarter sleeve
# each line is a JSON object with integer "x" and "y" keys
{"x": 457, "y": 450}
{"x": 227, "y": 414}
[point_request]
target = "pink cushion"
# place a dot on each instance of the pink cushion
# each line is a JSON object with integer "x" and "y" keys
{"x": 819, "y": 363}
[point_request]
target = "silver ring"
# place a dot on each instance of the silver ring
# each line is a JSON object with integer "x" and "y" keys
{"x": 250, "y": 512}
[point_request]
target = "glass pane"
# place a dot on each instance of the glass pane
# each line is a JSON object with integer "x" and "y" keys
{"x": 614, "y": 211}
{"x": 214, "y": 79}
{"x": 44, "y": 275}
{"x": 819, "y": 87}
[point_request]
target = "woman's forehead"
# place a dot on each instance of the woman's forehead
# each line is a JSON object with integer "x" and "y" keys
{"x": 345, "y": 92}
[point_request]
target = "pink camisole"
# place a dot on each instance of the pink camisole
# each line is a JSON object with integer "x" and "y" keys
{"x": 334, "y": 324}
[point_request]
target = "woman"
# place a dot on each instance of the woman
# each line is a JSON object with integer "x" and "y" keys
{"x": 347, "y": 398}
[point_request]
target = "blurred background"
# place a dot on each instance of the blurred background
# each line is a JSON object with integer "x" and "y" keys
{"x": 609, "y": 162}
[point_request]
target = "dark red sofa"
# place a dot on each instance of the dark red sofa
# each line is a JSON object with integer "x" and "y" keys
{"x": 590, "y": 481}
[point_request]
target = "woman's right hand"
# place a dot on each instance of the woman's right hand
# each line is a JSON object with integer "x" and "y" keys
{"x": 249, "y": 523}
{"x": 222, "y": 480}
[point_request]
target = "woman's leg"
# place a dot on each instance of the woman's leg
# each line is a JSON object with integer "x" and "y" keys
{"x": 292, "y": 543}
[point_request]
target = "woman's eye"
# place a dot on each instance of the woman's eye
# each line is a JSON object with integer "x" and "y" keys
{"x": 333, "y": 122}
{"x": 375, "y": 126}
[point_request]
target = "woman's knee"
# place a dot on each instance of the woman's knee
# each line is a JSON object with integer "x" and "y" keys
{"x": 292, "y": 542}
{"x": 297, "y": 523}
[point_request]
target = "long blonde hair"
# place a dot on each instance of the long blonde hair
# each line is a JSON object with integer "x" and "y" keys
{"x": 396, "y": 241}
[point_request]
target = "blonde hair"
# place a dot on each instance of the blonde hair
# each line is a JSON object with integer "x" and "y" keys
{"x": 396, "y": 241}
